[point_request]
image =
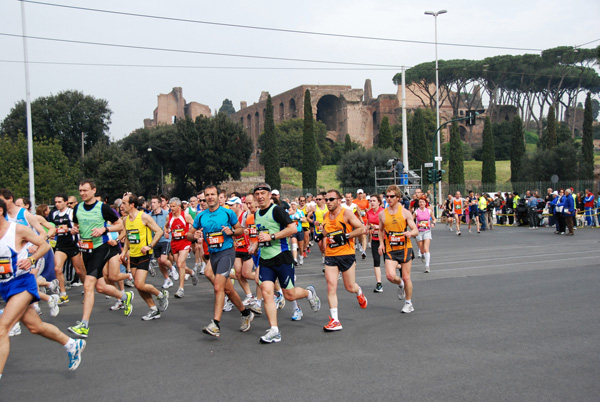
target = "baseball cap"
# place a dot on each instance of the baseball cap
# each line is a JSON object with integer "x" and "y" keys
{"x": 233, "y": 201}
{"x": 275, "y": 192}
{"x": 360, "y": 191}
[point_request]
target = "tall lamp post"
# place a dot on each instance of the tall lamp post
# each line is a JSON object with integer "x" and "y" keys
{"x": 437, "y": 102}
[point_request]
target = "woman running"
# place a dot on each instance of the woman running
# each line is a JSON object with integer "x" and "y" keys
{"x": 425, "y": 221}
{"x": 373, "y": 227}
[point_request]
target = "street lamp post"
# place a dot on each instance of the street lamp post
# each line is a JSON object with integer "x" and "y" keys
{"x": 437, "y": 101}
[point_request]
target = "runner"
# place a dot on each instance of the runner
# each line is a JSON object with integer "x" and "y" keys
{"x": 320, "y": 211}
{"x": 393, "y": 222}
{"x": 177, "y": 226}
{"x": 162, "y": 249}
{"x": 449, "y": 211}
{"x": 66, "y": 244}
{"x": 362, "y": 205}
{"x": 276, "y": 262}
{"x": 473, "y": 211}
{"x": 101, "y": 260}
{"x": 339, "y": 227}
{"x": 425, "y": 221}
{"x": 139, "y": 244}
{"x": 457, "y": 210}
{"x": 373, "y": 227}
{"x": 217, "y": 225}
{"x": 303, "y": 245}
{"x": 297, "y": 216}
{"x": 19, "y": 289}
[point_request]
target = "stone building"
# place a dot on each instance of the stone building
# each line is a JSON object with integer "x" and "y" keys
{"x": 172, "y": 106}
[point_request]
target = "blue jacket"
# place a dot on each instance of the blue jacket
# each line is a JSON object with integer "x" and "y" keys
{"x": 568, "y": 205}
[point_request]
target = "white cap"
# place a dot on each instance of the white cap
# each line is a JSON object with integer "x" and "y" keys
{"x": 233, "y": 201}
{"x": 360, "y": 191}
{"x": 275, "y": 192}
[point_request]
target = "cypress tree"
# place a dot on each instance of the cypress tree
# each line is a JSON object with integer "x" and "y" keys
{"x": 517, "y": 150}
{"x": 551, "y": 129}
{"x": 420, "y": 149}
{"x": 488, "y": 167}
{"x": 385, "y": 134}
{"x": 309, "y": 155}
{"x": 271, "y": 158}
{"x": 456, "y": 174}
{"x": 587, "y": 142}
{"x": 347, "y": 144}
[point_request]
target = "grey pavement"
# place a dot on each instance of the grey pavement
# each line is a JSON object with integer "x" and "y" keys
{"x": 508, "y": 315}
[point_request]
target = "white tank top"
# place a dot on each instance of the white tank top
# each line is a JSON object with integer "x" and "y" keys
{"x": 9, "y": 255}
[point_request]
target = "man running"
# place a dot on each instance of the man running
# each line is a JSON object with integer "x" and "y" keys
{"x": 178, "y": 225}
{"x": 217, "y": 225}
{"x": 457, "y": 210}
{"x": 339, "y": 227}
{"x": 139, "y": 243}
{"x": 362, "y": 205}
{"x": 276, "y": 261}
{"x": 19, "y": 289}
{"x": 320, "y": 211}
{"x": 101, "y": 260}
{"x": 162, "y": 248}
{"x": 393, "y": 224}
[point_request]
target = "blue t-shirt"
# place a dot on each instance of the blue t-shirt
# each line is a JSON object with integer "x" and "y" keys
{"x": 296, "y": 217}
{"x": 212, "y": 225}
{"x": 161, "y": 220}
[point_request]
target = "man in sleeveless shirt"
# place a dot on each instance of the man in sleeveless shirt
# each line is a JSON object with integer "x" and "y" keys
{"x": 396, "y": 246}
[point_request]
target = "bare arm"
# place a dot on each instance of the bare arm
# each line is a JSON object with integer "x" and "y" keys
{"x": 23, "y": 235}
{"x": 357, "y": 224}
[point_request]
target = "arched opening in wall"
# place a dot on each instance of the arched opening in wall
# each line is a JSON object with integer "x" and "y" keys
{"x": 292, "y": 108}
{"x": 463, "y": 132}
{"x": 281, "y": 115}
{"x": 242, "y": 121}
{"x": 327, "y": 111}
{"x": 249, "y": 126}
{"x": 256, "y": 125}
{"x": 173, "y": 119}
{"x": 375, "y": 129}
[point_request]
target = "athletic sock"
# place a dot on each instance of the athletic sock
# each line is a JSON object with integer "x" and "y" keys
{"x": 275, "y": 328}
{"x": 333, "y": 312}
{"x": 70, "y": 344}
{"x": 123, "y": 296}
{"x": 249, "y": 295}
{"x": 85, "y": 323}
{"x": 408, "y": 301}
{"x": 359, "y": 291}
{"x": 154, "y": 308}
{"x": 63, "y": 294}
{"x": 295, "y": 304}
{"x": 427, "y": 258}
{"x": 245, "y": 312}
{"x": 259, "y": 302}
{"x": 217, "y": 323}
{"x": 310, "y": 294}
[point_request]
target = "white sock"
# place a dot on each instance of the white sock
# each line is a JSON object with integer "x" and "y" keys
{"x": 259, "y": 302}
{"x": 427, "y": 258}
{"x": 70, "y": 344}
{"x": 275, "y": 329}
{"x": 295, "y": 304}
{"x": 401, "y": 283}
{"x": 359, "y": 291}
{"x": 408, "y": 301}
{"x": 249, "y": 295}
{"x": 153, "y": 308}
{"x": 333, "y": 313}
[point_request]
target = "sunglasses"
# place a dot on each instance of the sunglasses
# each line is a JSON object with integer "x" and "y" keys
{"x": 318, "y": 199}
{"x": 201, "y": 200}
{"x": 331, "y": 199}
{"x": 70, "y": 203}
{"x": 391, "y": 196}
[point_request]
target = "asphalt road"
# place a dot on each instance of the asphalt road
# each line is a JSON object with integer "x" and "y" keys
{"x": 507, "y": 315}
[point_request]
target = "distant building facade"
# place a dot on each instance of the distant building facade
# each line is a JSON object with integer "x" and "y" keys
{"x": 172, "y": 106}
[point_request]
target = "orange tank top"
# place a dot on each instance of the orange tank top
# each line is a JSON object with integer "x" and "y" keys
{"x": 252, "y": 231}
{"x": 336, "y": 241}
{"x": 458, "y": 205}
{"x": 394, "y": 227}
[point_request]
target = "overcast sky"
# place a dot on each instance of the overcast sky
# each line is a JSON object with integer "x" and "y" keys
{"x": 131, "y": 90}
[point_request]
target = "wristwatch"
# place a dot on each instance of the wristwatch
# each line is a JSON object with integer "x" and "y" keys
{"x": 32, "y": 261}
{"x": 273, "y": 236}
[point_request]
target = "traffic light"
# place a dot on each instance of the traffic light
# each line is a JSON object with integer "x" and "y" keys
{"x": 438, "y": 176}
{"x": 430, "y": 176}
{"x": 470, "y": 117}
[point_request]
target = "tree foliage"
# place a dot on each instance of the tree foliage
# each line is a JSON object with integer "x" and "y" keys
{"x": 309, "y": 146}
{"x": 549, "y": 139}
{"x": 488, "y": 166}
{"x": 456, "y": 174}
{"x": 385, "y": 134}
{"x": 421, "y": 147}
{"x": 357, "y": 168}
{"x": 63, "y": 117}
{"x": 271, "y": 158}
{"x": 517, "y": 154}
{"x": 227, "y": 107}
{"x": 587, "y": 142}
{"x": 560, "y": 160}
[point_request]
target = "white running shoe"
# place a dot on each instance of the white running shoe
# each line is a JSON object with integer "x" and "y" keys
{"x": 401, "y": 293}
{"x": 297, "y": 315}
{"x": 228, "y": 306}
{"x": 37, "y": 309}
{"x": 408, "y": 308}
{"x": 174, "y": 273}
{"x": 187, "y": 277}
{"x": 272, "y": 336}
{"x": 168, "y": 283}
{"x": 248, "y": 300}
{"x": 119, "y": 305}
{"x": 179, "y": 294}
{"x": 202, "y": 268}
{"x": 53, "y": 304}
{"x": 16, "y": 330}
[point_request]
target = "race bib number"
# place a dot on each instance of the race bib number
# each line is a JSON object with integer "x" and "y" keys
{"x": 424, "y": 225}
{"x": 6, "y": 271}
{"x": 397, "y": 239}
{"x": 336, "y": 239}
{"x": 215, "y": 239}
{"x": 264, "y": 243}
{"x": 86, "y": 245}
{"x": 62, "y": 230}
{"x": 178, "y": 234}
{"x": 374, "y": 234}
{"x": 252, "y": 232}
{"x": 133, "y": 236}
{"x": 240, "y": 242}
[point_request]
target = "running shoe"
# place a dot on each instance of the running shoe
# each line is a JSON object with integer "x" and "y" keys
{"x": 304, "y": 254}
{"x": 296, "y": 263}
{"x": 427, "y": 270}
{"x": 422, "y": 257}
{"x": 75, "y": 354}
{"x": 119, "y": 305}
{"x": 378, "y": 288}
{"x": 334, "y": 325}
{"x": 168, "y": 283}
{"x": 152, "y": 268}
{"x": 151, "y": 315}
{"x": 179, "y": 293}
{"x": 76, "y": 284}
{"x": 63, "y": 300}
{"x": 362, "y": 300}
{"x": 194, "y": 276}
{"x": 80, "y": 330}
{"x": 54, "y": 287}
{"x": 401, "y": 293}
{"x": 314, "y": 301}
{"x": 174, "y": 273}
{"x": 129, "y": 283}
{"x": 163, "y": 302}
{"x": 246, "y": 320}
{"x": 228, "y": 305}
{"x": 128, "y": 306}
{"x": 279, "y": 301}
{"x": 15, "y": 330}
{"x": 300, "y": 260}
{"x": 255, "y": 308}
{"x": 458, "y": 232}
{"x": 187, "y": 277}
{"x": 363, "y": 255}
{"x": 297, "y": 315}
{"x": 272, "y": 336}
{"x": 408, "y": 308}
{"x": 202, "y": 268}
{"x": 248, "y": 300}
{"x": 53, "y": 304}
{"x": 37, "y": 309}
{"x": 212, "y": 329}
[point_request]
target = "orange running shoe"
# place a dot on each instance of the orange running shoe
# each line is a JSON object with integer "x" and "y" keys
{"x": 334, "y": 325}
{"x": 362, "y": 300}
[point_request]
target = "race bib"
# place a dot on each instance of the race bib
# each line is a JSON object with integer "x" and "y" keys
{"x": 133, "y": 236}
{"x": 264, "y": 243}
{"x": 336, "y": 239}
{"x": 6, "y": 271}
{"x": 424, "y": 225}
{"x": 62, "y": 230}
{"x": 86, "y": 245}
{"x": 215, "y": 240}
{"x": 240, "y": 242}
{"x": 396, "y": 238}
{"x": 178, "y": 234}
{"x": 252, "y": 232}
{"x": 374, "y": 234}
